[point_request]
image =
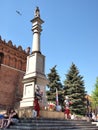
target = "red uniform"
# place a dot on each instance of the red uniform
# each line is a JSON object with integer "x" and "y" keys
{"x": 67, "y": 112}
{"x": 36, "y": 106}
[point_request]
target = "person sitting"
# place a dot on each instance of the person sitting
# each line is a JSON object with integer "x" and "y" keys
{"x": 12, "y": 119}
{"x": 4, "y": 116}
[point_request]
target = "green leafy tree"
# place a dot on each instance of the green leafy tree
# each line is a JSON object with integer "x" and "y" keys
{"x": 95, "y": 96}
{"x": 75, "y": 90}
{"x": 54, "y": 82}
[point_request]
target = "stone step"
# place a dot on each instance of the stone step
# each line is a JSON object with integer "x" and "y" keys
{"x": 52, "y": 124}
{"x": 51, "y": 128}
{"x": 52, "y": 120}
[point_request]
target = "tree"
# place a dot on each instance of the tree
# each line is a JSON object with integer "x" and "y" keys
{"x": 54, "y": 82}
{"x": 95, "y": 96}
{"x": 75, "y": 90}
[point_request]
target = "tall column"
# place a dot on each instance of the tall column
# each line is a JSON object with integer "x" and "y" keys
{"x": 34, "y": 75}
{"x": 36, "y": 28}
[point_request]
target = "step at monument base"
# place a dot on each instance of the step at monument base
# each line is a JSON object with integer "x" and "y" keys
{"x": 52, "y": 124}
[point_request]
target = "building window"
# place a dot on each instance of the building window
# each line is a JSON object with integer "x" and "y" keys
{"x": 1, "y": 57}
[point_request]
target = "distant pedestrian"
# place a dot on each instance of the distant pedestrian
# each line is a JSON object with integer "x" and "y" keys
{"x": 93, "y": 116}
{"x": 90, "y": 115}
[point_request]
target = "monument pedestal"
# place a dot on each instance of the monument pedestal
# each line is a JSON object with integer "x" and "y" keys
{"x": 28, "y": 93}
{"x": 34, "y": 62}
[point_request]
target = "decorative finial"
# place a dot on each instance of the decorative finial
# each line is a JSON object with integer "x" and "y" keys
{"x": 37, "y": 12}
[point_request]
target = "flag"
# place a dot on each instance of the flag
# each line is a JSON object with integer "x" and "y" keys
{"x": 57, "y": 102}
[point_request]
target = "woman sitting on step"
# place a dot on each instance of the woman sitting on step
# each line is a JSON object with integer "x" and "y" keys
{"x": 13, "y": 118}
{"x": 3, "y": 116}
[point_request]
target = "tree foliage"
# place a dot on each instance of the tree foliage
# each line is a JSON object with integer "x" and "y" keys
{"x": 75, "y": 90}
{"x": 95, "y": 94}
{"x": 54, "y": 82}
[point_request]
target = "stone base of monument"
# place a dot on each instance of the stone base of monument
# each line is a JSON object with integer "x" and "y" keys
{"x": 52, "y": 114}
{"x": 27, "y": 113}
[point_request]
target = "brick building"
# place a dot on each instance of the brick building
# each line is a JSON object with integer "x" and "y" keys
{"x": 12, "y": 70}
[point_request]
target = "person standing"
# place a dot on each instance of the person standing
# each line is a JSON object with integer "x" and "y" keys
{"x": 67, "y": 113}
{"x": 67, "y": 109}
{"x": 37, "y": 107}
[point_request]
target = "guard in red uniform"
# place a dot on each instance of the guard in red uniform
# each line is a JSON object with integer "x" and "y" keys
{"x": 67, "y": 113}
{"x": 36, "y": 106}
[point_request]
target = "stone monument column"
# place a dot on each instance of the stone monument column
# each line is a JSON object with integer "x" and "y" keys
{"x": 35, "y": 68}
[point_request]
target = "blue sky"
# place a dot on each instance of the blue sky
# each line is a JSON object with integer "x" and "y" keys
{"x": 70, "y": 33}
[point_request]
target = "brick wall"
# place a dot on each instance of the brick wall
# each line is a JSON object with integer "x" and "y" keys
{"x": 11, "y": 87}
{"x": 12, "y": 69}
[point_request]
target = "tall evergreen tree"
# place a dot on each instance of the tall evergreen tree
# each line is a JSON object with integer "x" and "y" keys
{"x": 95, "y": 91}
{"x": 54, "y": 82}
{"x": 95, "y": 96}
{"x": 75, "y": 90}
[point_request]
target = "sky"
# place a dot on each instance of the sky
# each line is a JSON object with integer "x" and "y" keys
{"x": 70, "y": 33}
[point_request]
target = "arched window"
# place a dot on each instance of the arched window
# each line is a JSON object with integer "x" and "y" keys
{"x": 1, "y": 57}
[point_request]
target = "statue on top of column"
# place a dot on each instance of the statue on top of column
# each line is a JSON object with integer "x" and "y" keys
{"x": 37, "y": 12}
